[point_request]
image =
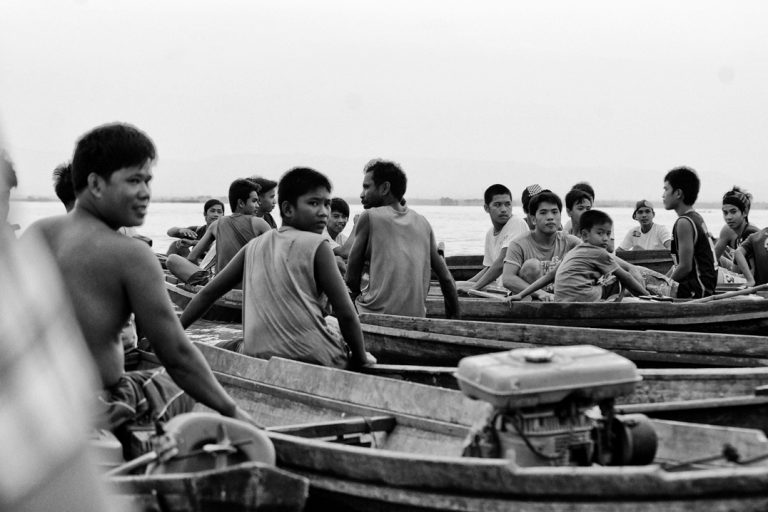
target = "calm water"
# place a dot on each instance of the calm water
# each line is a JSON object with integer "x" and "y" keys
{"x": 462, "y": 228}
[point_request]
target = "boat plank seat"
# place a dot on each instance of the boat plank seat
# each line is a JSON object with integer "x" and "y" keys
{"x": 348, "y": 431}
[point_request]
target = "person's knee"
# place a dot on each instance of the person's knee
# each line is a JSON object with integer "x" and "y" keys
{"x": 530, "y": 270}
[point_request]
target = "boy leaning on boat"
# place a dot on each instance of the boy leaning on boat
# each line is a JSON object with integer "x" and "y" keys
{"x": 109, "y": 275}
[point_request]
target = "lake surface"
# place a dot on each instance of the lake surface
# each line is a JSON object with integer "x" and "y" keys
{"x": 461, "y": 228}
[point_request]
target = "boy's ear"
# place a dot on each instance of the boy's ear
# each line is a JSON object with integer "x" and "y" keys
{"x": 485, "y": 207}
{"x": 286, "y": 209}
{"x": 95, "y": 184}
{"x": 385, "y": 188}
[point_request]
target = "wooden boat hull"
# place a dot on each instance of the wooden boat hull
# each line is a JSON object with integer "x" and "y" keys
{"x": 411, "y": 467}
{"x": 227, "y": 309}
{"x": 734, "y": 316}
{"x": 248, "y": 487}
{"x": 439, "y": 342}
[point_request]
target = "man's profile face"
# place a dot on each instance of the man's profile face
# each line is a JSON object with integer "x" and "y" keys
{"x": 371, "y": 196}
{"x": 251, "y": 204}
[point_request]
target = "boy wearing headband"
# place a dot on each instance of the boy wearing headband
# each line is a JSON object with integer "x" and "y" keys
{"x": 736, "y": 204}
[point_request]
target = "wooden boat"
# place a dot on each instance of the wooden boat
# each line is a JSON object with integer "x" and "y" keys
{"x": 228, "y": 308}
{"x": 464, "y": 267}
{"x": 439, "y": 342}
{"x": 397, "y": 445}
{"x": 738, "y": 315}
{"x": 246, "y": 487}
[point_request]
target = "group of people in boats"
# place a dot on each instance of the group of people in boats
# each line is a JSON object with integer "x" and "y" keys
{"x": 292, "y": 276}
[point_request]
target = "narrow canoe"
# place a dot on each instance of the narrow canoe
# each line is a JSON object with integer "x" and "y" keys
{"x": 247, "y": 487}
{"x": 463, "y": 267}
{"x": 439, "y": 342}
{"x": 404, "y": 441}
{"x": 737, "y": 315}
{"x": 228, "y": 308}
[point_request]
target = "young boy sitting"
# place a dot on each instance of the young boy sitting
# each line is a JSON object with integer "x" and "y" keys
{"x": 754, "y": 249}
{"x": 578, "y": 277}
{"x": 577, "y": 202}
{"x": 692, "y": 250}
{"x": 338, "y": 221}
{"x": 504, "y": 227}
{"x": 288, "y": 276}
{"x": 266, "y": 199}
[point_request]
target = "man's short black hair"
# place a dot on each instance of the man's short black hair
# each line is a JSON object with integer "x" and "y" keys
{"x": 241, "y": 189}
{"x": 586, "y": 187}
{"x": 62, "y": 184}
{"x": 109, "y": 148}
{"x": 212, "y": 202}
{"x": 297, "y": 182}
{"x": 545, "y": 196}
{"x": 575, "y": 196}
{"x": 265, "y": 184}
{"x": 340, "y": 205}
{"x": 685, "y": 179}
{"x": 387, "y": 171}
{"x": 496, "y": 189}
{"x": 592, "y": 218}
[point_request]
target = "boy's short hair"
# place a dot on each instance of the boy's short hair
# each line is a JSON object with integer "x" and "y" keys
{"x": 495, "y": 190}
{"x": 109, "y": 148}
{"x": 297, "y": 182}
{"x": 385, "y": 170}
{"x": 592, "y": 218}
{"x": 339, "y": 205}
{"x": 62, "y": 183}
{"x": 685, "y": 179}
{"x": 545, "y": 196}
{"x": 575, "y": 196}
{"x": 739, "y": 198}
{"x": 586, "y": 187}
{"x": 265, "y": 184}
{"x": 240, "y": 189}
{"x": 212, "y": 202}
{"x": 528, "y": 192}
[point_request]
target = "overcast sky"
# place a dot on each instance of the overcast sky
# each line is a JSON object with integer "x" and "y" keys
{"x": 640, "y": 86}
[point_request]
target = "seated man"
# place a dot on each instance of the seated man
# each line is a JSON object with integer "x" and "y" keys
{"x": 534, "y": 254}
{"x": 266, "y": 199}
{"x": 504, "y": 227}
{"x": 189, "y": 236}
{"x": 289, "y": 275}
{"x": 109, "y": 276}
{"x": 230, "y": 232}
{"x": 649, "y": 235}
{"x": 581, "y": 274}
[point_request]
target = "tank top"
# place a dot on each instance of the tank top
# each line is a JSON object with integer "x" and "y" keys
{"x": 702, "y": 279}
{"x": 283, "y": 314}
{"x": 399, "y": 263}
{"x": 232, "y": 233}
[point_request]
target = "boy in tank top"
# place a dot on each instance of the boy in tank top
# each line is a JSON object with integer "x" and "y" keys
{"x": 289, "y": 276}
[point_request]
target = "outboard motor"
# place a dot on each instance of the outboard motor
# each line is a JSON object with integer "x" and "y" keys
{"x": 545, "y": 407}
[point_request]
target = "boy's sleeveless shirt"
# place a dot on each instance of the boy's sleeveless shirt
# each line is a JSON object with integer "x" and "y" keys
{"x": 232, "y": 233}
{"x": 701, "y": 281}
{"x": 283, "y": 314}
{"x": 399, "y": 263}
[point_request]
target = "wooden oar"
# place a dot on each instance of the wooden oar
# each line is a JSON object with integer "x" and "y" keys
{"x": 745, "y": 291}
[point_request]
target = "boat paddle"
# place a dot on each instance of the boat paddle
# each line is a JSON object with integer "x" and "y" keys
{"x": 727, "y": 295}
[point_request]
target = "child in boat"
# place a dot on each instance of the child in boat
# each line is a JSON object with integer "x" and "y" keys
{"x": 504, "y": 227}
{"x": 266, "y": 199}
{"x": 649, "y": 235}
{"x": 579, "y": 277}
{"x": 736, "y": 204}
{"x": 230, "y": 233}
{"x": 692, "y": 251}
{"x": 288, "y": 276}
{"x": 109, "y": 276}
{"x": 577, "y": 202}
{"x": 190, "y": 235}
{"x": 337, "y": 222}
{"x": 534, "y": 254}
{"x": 753, "y": 250}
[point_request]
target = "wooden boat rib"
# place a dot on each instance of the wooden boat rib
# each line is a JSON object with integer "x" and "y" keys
{"x": 412, "y": 467}
{"x": 439, "y": 342}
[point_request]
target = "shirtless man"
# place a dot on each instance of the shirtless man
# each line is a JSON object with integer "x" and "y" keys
{"x": 109, "y": 275}
{"x": 399, "y": 247}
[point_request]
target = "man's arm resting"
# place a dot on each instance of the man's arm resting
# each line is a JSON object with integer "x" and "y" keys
{"x": 357, "y": 255}
{"x": 227, "y": 279}
{"x": 447, "y": 285}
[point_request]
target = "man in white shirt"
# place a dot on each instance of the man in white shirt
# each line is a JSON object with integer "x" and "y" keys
{"x": 649, "y": 235}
